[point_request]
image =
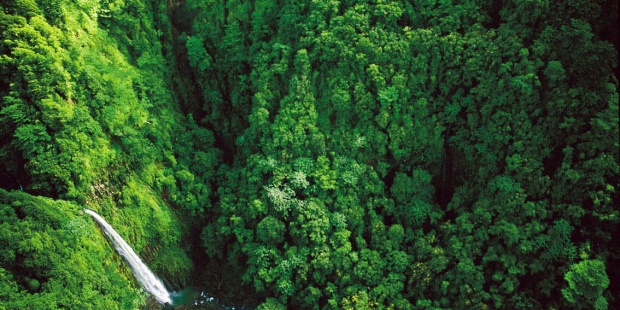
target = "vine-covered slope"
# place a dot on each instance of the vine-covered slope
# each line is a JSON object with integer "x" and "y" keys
{"x": 88, "y": 115}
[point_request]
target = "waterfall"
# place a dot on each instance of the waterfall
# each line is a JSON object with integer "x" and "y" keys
{"x": 143, "y": 274}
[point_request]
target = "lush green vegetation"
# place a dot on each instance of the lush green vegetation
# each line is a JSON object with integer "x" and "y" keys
{"x": 324, "y": 154}
{"x": 54, "y": 259}
{"x": 88, "y": 115}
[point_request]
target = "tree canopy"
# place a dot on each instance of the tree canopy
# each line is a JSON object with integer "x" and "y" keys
{"x": 320, "y": 154}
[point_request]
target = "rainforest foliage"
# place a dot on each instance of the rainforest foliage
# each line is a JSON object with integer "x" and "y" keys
{"x": 87, "y": 115}
{"x": 449, "y": 154}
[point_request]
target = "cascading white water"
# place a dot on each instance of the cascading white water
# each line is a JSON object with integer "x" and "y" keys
{"x": 142, "y": 273}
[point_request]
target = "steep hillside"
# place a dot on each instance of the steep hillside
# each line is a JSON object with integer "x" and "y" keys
{"x": 88, "y": 115}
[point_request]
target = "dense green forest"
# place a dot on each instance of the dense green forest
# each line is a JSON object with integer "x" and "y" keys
{"x": 371, "y": 154}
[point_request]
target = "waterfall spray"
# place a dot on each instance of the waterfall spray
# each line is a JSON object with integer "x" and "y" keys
{"x": 143, "y": 274}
